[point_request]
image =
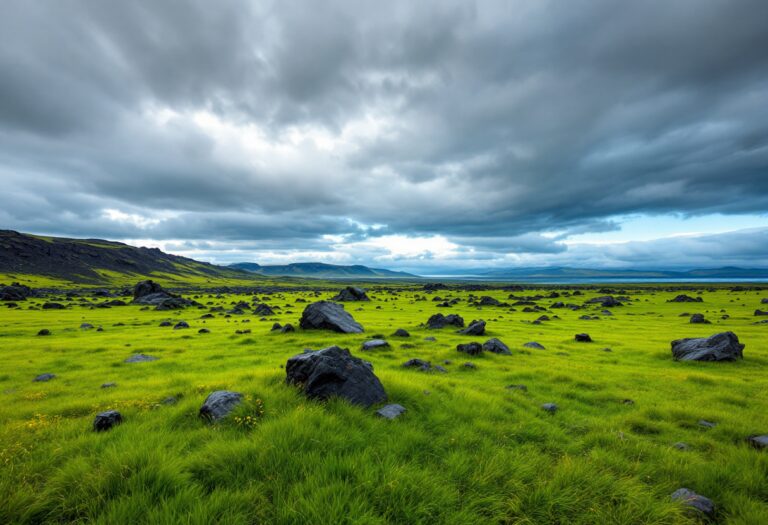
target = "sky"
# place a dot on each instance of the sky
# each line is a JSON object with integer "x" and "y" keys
{"x": 421, "y": 136}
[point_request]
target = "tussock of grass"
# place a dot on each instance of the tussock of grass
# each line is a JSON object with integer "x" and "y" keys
{"x": 468, "y": 449}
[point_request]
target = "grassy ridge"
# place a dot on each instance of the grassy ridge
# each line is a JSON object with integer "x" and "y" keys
{"x": 468, "y": 450}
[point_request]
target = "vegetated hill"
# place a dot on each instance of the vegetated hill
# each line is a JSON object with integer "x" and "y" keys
{"x": 560, "y": 272}
{"x": 322, "y": 270}
{"x": 97, "y": 261}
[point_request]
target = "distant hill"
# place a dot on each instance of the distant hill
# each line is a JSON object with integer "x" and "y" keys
{"x": 322, "y": 270}
{"x": 564, "y": 272}
{"x": 99, "y": 261}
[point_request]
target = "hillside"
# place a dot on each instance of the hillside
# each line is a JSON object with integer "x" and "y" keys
{"x": 559, "y": 272}
{"x": 322, "y": 270}
{"x": 95, "y": 261}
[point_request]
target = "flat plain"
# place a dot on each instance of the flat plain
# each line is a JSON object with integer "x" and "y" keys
{"x": 474, "y": 445}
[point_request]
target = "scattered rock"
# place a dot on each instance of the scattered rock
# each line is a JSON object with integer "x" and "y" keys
{"x": 325, "y": 315}
{"x": 86, "y": 326}
{"x": 163, "y": 324}
{"x": 549, "y": 407}
{"x": 441, "y": 321}
{"x": 475, "y": 328}
{"x": 681, "y": 446}
{"x": 724, "y": 346}
{"x": 275, "y": 327}
{"x": 430, "y": 339}
{"x": 43, "y": 378}
{"x": 583, "y": 338}
{"x": 53, "y": 306}
{"x": 534, "y": 344}
{"x": 109, "y": 385}
{"x": 15, "y": 292}
{"x": 401, "y": 333}
{"x": 263, "y": 310}
{"x": 760, "y": 312}
{"x": 422, "y": 365}
{"x": 334, "y": 372}
{"x": 682, "y": 298}
{"x": 44, "y": 332}
{"x": 288, "y": 328}
{"x": 698, "y": 319}
{"x": 706, "y": 424}
{"x": 697, "y": 504}
{"x": 759, "y": 442}
{"x": 391, "y": 411}
{"x": 470, "y": 365}
{"x": 351, "y": 293}
{"x": 518, "y": 387}
{"x": 219, "y": 404}
{"x": 181, "y": 325}
{"x": 375, "y": 344}
{"x": 140, "y": 358}
{"x": 106, "y": 420}
{"x": 203, "y": 331}
{"x": 470, "y": 348}
{"x": 496, "y": 347}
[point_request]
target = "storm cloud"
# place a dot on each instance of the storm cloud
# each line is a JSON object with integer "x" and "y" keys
{"x": 499, "y": 130}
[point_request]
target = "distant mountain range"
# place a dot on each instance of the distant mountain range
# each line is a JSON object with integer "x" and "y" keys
{"x": 99, "y": 261}
{"x": 564, "y": 272}
{"x": 322, "y": 271}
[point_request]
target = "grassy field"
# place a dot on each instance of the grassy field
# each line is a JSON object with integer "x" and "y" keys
{"x": 468, "y": 449}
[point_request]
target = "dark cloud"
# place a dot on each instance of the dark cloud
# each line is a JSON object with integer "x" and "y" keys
{"x": 488, "y": 124}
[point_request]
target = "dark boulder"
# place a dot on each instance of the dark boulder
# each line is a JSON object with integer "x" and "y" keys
{"x": 760, "y": 312}
{"x": 441, "y": 321}
{"x": 15, "y": 292}
{"x": 42, "y": 378}
{"x": 475, "y": 328}
{"x": 496, "y": 347}
{"x": 549, "y": 407}
{"x": 534, "y": 344}
{"x": 682, "y": 298}
{"x": 697, "y": 504}
{"x": 276, "y": 327}
{"x": 106, "y": 420}
{"x": 488, "y": 301}
{"x": 181, "y": 325}
{"x": 470, "y": 348}
{"x": 53, "y": 306}
{"x": 334, "y": 372}
{"x": 287, "y": 328}
{"x": 43, "y": 332}
{"x": 263, "y": 310}
{"x": 420, "y": 364}
{"x": 325, "y": 315}
{"x": 724, "y": 346}
{"x": 583, "y": 338}
{"x": 145, "y": 288}
{"x": 698, "y": 319}
{"x": 219, "y": 404}
{"x": 401, "y": 333}
{"x": 351, "y": 293}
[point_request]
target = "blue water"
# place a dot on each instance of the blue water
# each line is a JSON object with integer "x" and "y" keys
{"x": 587, "y": 280}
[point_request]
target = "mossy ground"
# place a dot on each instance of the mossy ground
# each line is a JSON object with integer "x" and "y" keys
{"x": 468, "y": 449}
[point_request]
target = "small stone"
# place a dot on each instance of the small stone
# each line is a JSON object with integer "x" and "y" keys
{"x": 42, "y": 378}
{"x": 549, "y": 407}
{"x": 696, "y": 503}
{"x": 109, "y": 385}
{"x": 44, "y": 331}
{"x": 401, "y": 333}
{"x": 681, "y": 446}
{"x": 583, "y": 338}
{"x": 706, "y": 424}
{"x": 140, "y": 358}
{"x": 522, "y": 388}
{"x": 203, "y": 331}
{"x": 391, "y": 411}
{"x": 375, "y": 344}
{"x": 181, "y": 325}
{"x": 534, "y": 344}
{"x": 759, "y": 442}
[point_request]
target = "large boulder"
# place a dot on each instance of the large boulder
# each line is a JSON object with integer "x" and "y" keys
{"x": 351, "y": 293}
{"x": 441, "y": 321}
{"x": 470, "y": 348}
{"x": 151, "y": 293}
{"x": 325, "y": 315}
{"x": 219, "y": 404}
{"x": 334, "y": 372}
{"x": 724, "y": 346}
{"x": 145, "y": 288}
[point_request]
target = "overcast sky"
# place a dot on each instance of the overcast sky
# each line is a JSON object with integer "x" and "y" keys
{"x": 411, "y": 135}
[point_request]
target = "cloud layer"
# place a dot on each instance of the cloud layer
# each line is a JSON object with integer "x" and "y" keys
{"x": 493, "y": 130}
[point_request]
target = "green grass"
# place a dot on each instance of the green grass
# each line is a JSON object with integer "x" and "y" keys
{"x": 468, "y": 450}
